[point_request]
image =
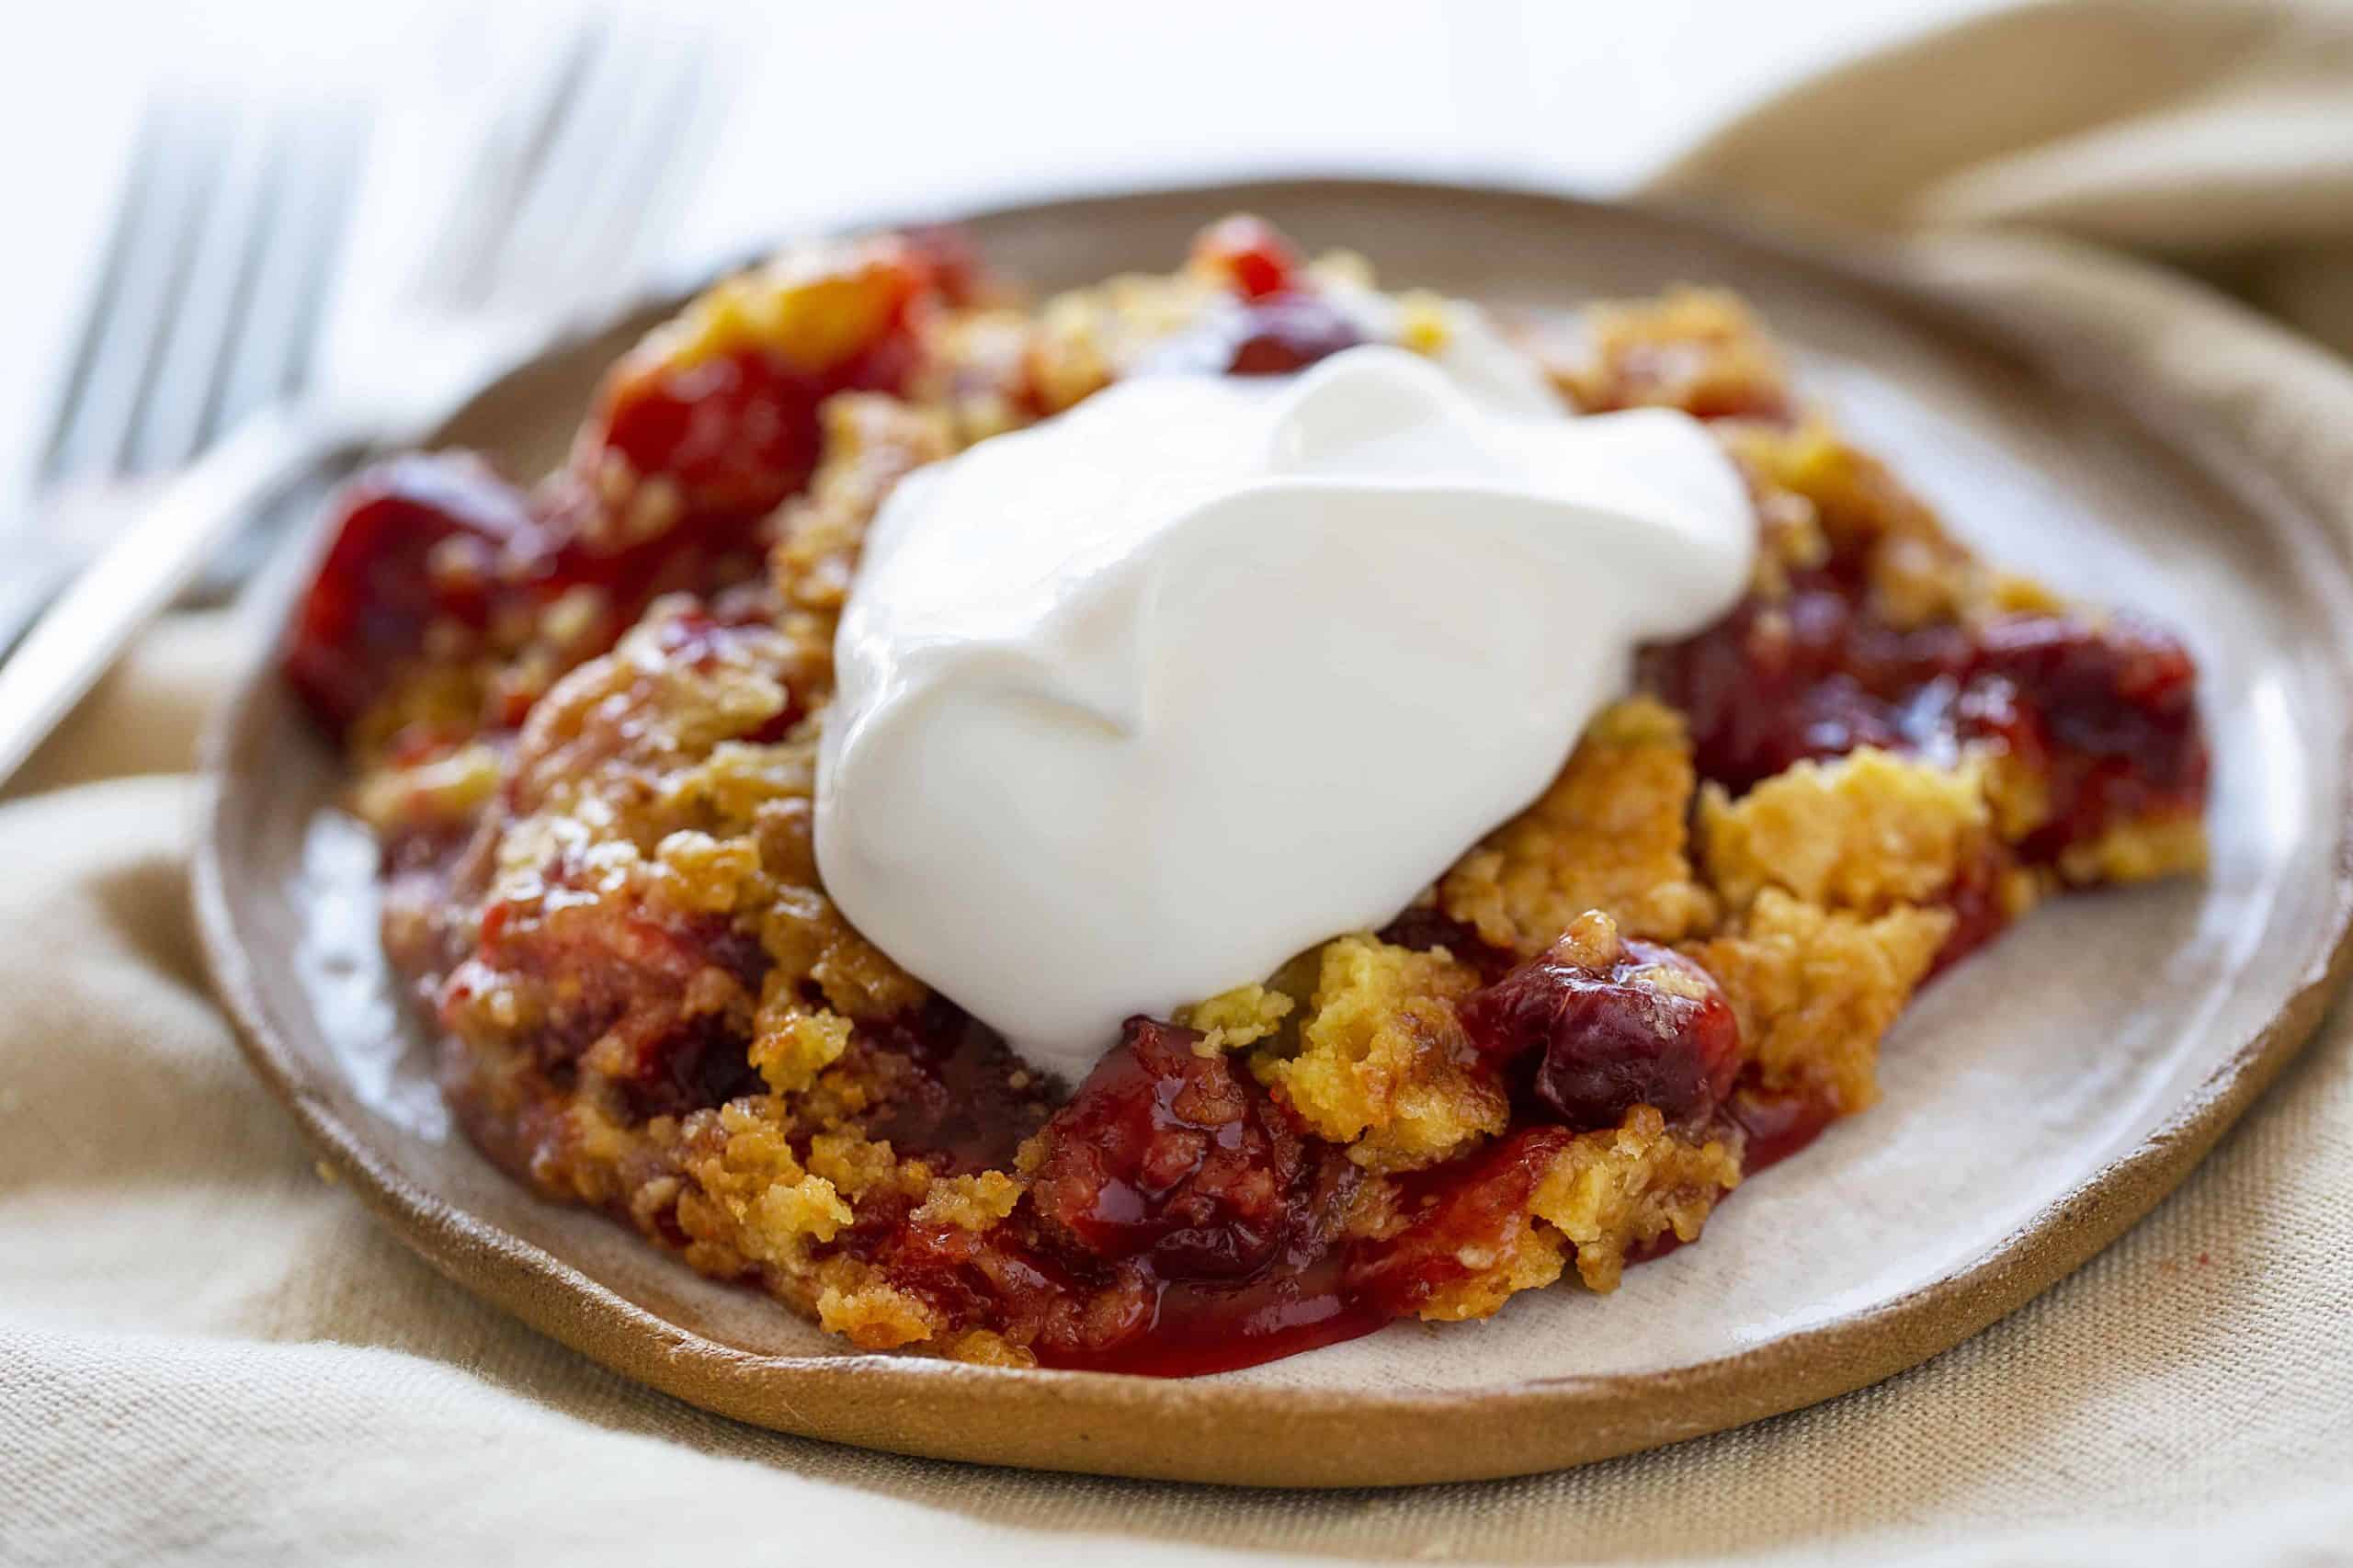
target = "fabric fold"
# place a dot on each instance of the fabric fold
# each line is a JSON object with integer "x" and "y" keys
{"x": 2217, "y": 137}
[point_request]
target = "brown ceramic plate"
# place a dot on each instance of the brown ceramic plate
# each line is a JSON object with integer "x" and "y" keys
{"x": 2038, "y": 1099}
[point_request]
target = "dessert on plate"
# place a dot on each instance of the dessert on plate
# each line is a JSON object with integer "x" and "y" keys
{"x": 1163, "y": 827}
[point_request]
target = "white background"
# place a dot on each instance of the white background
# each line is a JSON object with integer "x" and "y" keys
{"x": 823, "y": 111}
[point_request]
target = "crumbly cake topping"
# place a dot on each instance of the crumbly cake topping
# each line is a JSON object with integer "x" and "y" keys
{"x": 1867, "y": 832}
{"x": 1379, "y": 1060}
{"x": 1608, "y": 833}
{"x": 1814, "y": 989}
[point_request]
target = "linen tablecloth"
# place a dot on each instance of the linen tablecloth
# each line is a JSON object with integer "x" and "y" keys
{"x": 208, "y": 1353}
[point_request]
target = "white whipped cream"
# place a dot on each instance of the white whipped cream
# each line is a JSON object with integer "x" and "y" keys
{"x": 1139, "y": 702}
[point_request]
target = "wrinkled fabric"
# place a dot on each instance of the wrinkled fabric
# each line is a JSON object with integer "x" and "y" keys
{"x": 210, "y": 1353}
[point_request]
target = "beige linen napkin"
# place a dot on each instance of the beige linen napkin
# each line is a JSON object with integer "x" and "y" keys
{"x": 208, "y": 1353}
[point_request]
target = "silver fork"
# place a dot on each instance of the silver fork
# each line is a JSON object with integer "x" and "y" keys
{"x": 204, "y": 332}
{"x": 206, "y": 306}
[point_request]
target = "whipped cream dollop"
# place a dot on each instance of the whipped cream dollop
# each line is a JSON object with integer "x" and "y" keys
{"x": 1139, "y": 702}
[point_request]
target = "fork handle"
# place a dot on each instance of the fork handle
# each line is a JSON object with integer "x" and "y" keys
{"x": 88, "y": 626}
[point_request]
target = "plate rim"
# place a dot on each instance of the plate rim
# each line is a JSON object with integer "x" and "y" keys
{"x": 1087, "y": 1421}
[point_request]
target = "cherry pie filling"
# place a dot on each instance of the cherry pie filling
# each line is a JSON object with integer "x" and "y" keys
{"x": 1180, "y": 1210}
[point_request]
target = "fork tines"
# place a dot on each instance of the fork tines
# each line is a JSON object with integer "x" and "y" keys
{"x": 211, "y": 294}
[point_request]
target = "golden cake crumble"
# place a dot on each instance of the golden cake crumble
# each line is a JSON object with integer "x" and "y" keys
{"x": 583, "y": 720}
{"x": 1866, "y": 832}
{"x": 1380, "y": 1063}
{"x": 1610, "y": 833}
{"x": 1814, "y": 989}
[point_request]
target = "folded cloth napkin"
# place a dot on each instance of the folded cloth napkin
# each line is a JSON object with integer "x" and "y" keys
{"x": 210, "y": 1353}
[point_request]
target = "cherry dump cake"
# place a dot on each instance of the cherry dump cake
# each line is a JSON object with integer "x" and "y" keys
{"x": 587, "y": 719}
